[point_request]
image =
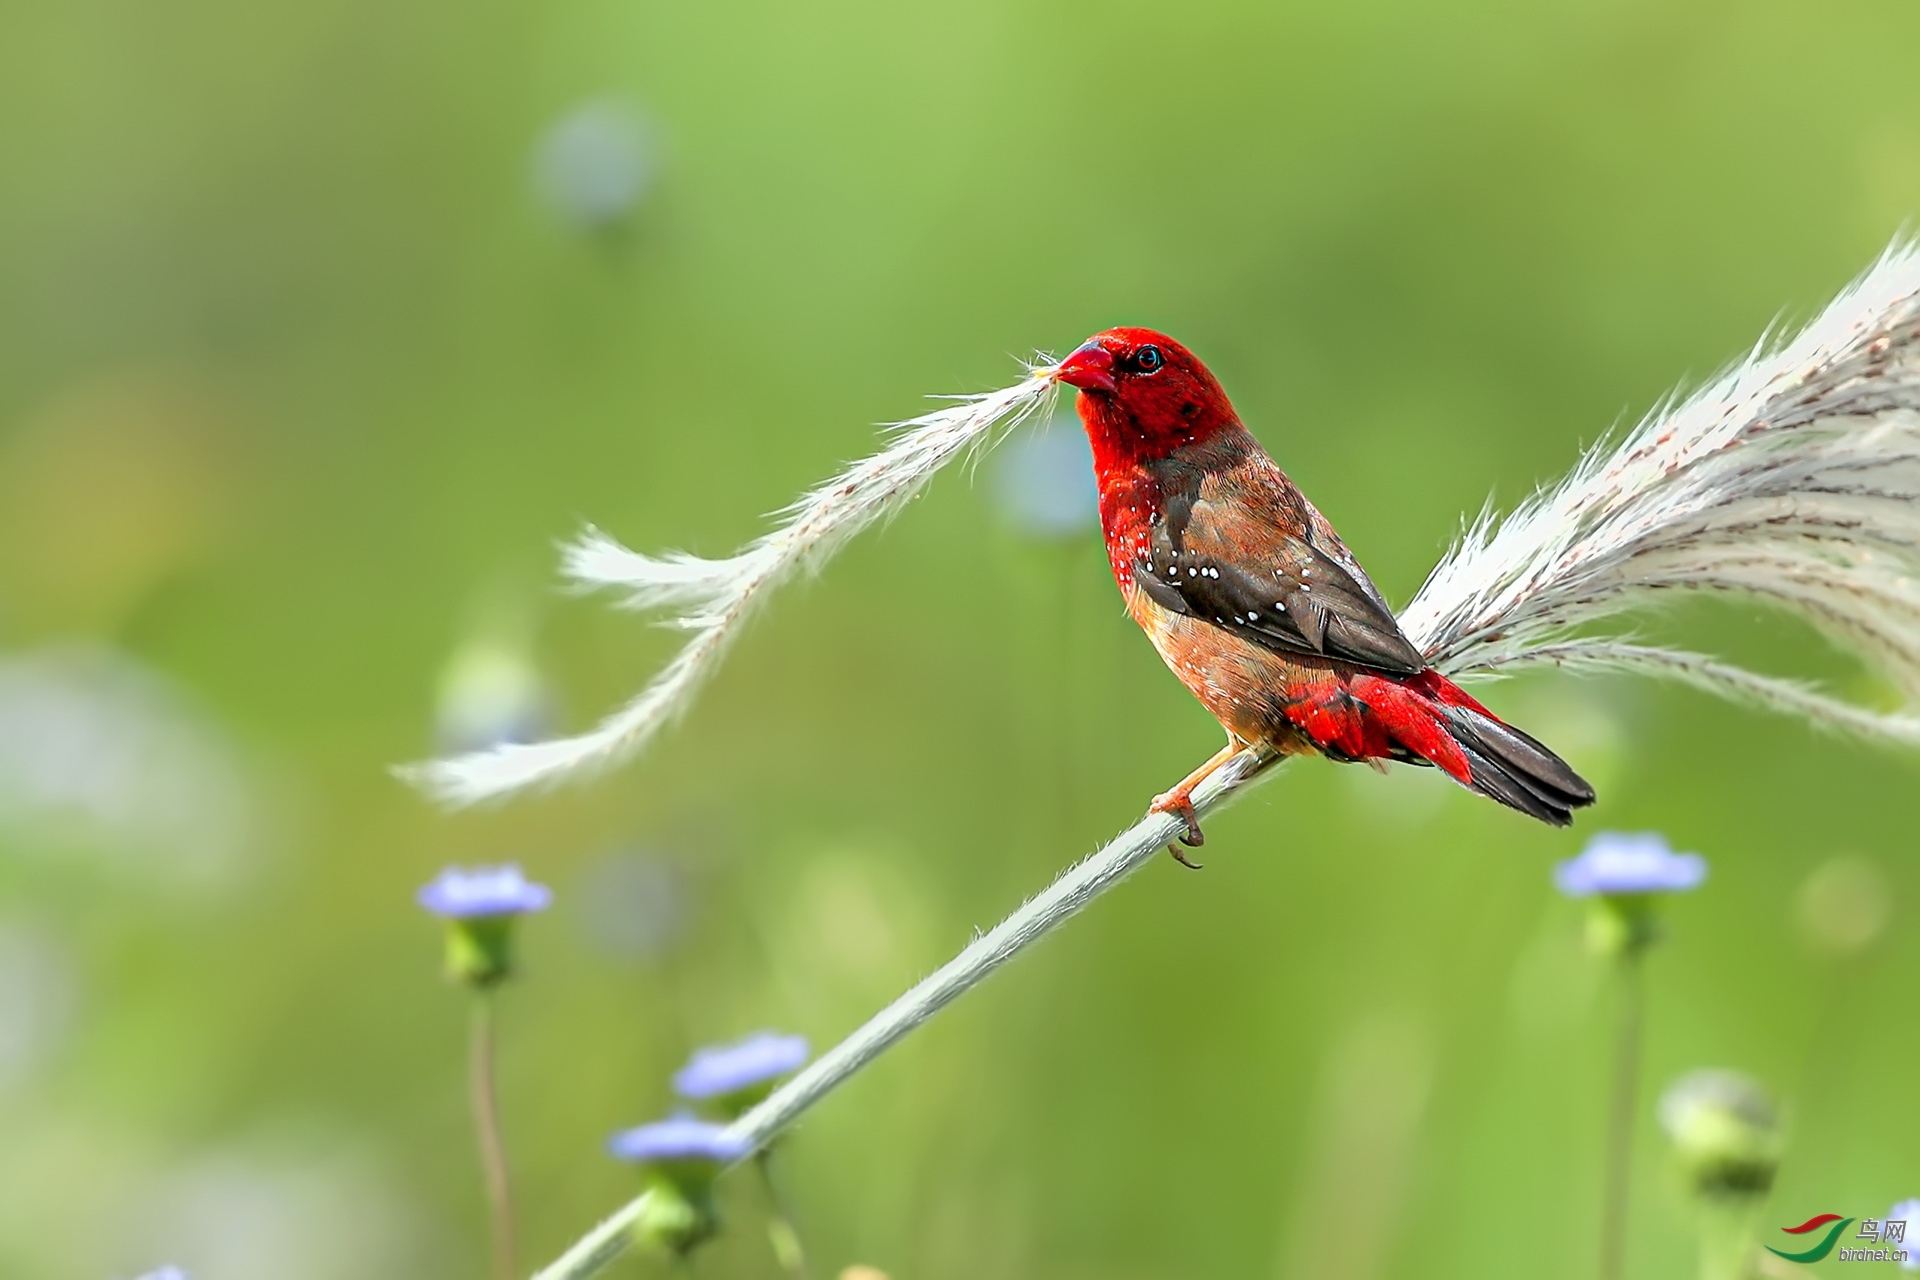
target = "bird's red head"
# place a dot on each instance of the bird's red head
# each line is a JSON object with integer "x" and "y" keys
{"x": 1143, "y": 395}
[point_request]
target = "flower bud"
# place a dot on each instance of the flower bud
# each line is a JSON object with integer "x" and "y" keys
{"x": 676, "y": 1218}
{"x": 1621, "y": 924}
{"x": 1725, "y": 1134}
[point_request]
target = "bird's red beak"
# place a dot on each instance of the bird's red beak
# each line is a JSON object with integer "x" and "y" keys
{"x": 1089, "y": 368}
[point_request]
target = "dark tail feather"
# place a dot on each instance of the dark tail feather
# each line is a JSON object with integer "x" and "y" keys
{"x": 1515, "y": 769}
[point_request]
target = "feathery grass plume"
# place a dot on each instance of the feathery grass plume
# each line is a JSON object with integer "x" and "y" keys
{"x": 1793, "y": 478}
{"x": 713, "y": 598}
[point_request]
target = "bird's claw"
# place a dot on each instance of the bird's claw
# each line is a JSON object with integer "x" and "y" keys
{"x": 1184, "y": 860}
{"x": 1182, "y": 807}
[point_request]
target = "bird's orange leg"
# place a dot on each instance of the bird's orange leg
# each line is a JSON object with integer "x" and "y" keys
{"x": 1179, "y": 801}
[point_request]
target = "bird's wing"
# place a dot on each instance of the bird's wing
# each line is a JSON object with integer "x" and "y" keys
{"x": 1233, "y": 561}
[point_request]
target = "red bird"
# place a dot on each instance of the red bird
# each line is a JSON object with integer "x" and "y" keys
{"x": 1256, "y": 604}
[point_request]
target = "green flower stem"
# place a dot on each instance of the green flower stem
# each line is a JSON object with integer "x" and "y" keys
{"x": 1621, "y": 1107}
{"x": 493, "y": 1151}
{"x": 1726, "y": 1240}
{"x": 781, "y": 1232}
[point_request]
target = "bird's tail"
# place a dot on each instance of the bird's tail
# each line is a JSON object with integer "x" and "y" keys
{"x": 1441, "y": 723}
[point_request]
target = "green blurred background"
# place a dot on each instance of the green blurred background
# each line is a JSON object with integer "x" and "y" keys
{"x": 321, "y": 324}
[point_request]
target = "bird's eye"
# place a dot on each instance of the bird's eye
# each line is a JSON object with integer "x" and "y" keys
{"x": 1147, "y": 359}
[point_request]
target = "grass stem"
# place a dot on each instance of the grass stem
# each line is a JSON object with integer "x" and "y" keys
{"x": 493, "y": 1151}
{"x": 1621, "y": 1107}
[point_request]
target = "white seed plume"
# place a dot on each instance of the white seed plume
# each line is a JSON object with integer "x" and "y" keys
{"x": 1793, "y": 478}
{"x": 713, "y": 598}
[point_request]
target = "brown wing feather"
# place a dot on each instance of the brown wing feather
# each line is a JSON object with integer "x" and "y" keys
{"x": 1241, "y": 548}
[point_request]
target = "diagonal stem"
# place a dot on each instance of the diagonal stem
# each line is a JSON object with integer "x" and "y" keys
{"x": 1031, "y": 921}
{"x": 493, "y": 1150}
{"x": 1620, "y": 1117}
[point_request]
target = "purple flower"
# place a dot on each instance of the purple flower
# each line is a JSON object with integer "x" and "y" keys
{"x": 1620, "y": 863}
{"x": 1045, "y": 482}
{"x": 480, "y": 906}
{"x": 596, "y": 164}
{"x": 165, "y": 1273}
{"x": 461, "y": 894}
{"x": 679, "y": 1138}
{"x": 719, "y": 1070}
{"x": 679, "y": 1159}
{"x": 1907, "y": 1212}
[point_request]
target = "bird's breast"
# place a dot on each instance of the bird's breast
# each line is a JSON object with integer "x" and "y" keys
{"x": 1129, "y": 506}
{"x": 1245, "y": 686}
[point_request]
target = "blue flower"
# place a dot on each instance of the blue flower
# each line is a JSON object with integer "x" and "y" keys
{"x": 1617, "y": 863}
{"x": 460, "y": 894}
{"x": 165, "y": 1273}
{"x": 480, "y": 906}
{"x": 679, "y": 1158}
{"x": 721, "y": 1070}
{"x": 597, "y": 163}
{"x": 1045, "y": 484}
{"x": 680, "y": 1138}
{"x": 1908, "y": 1212}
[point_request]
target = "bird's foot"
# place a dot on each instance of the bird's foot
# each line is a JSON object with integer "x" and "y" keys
{"x": 1179, "y": 802}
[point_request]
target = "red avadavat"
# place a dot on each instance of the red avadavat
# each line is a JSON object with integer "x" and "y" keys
{"x": 1256, "y": 604}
